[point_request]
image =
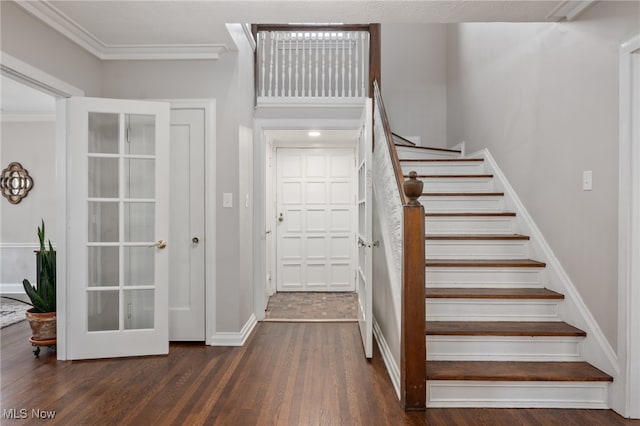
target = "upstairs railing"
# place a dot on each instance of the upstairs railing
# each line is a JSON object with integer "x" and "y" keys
{"x": 312, "y": 61}
{"x": 405, "y": 215}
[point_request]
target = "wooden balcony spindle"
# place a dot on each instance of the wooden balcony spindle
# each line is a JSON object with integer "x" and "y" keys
{"x": 413, "y": 341}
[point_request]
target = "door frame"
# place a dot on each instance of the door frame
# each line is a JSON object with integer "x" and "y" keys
{"x": 261, "y": 125}
{"x": 627, "y": 385}
{"x": 34, "y": 77}
{"x": 351, "y": 146}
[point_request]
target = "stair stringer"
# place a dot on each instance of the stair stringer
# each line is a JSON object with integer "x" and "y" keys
{"x": 595, "y": 347}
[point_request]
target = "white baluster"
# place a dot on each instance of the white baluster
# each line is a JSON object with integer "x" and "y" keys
{"x": 262, "y": 66}
{"x": 330, "y": 66}
{"x": 309, "y": 85}
{"x": 289, "y": 77}
{"x": 335, "y": 91}
{"x": 284, "y": 68}
{"x": 271, "y": 42}
{"x": 357, "y": 59}
{"x": 363, "y": 82}
{"x": 304, "y": 42}
{"x": 317, "y": 70}
{"x": 350, "y": 64}
{"x": 343, "y": 65}
{"x": 297, "y": 65}
{"x": 275, "y": 88}
{"x": 324, "y": 91}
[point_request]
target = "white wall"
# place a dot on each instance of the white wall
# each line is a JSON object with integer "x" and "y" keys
{"x": 31, "y": 144}
{"x": 414, "y": 80}
{"x": 229, "y": 80}
{"x": 544, "y": 99}
{"x": 29, "y": 40}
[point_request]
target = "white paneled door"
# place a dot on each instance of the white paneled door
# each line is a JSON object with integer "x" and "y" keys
{"x": 187, "y": 226}
{"x": 118, "y": 226}
{"x": 364, "y": 281}
{"x": 315, "y": 219}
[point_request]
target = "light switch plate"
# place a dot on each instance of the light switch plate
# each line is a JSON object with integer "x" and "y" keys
{"x": 587, "y": 180}
{"x": 227, "y": 200}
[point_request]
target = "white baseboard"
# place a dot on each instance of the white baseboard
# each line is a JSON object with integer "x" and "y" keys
{"x": 460, "y": 147}
{"x": 393, "y": 368}
{"x": 12, "y": 289}
{"x": 223, "y": 338}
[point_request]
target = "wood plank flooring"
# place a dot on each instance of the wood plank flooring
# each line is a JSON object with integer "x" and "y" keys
{"x": 286, "y": 374}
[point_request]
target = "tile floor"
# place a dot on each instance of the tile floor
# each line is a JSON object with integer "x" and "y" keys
{"x": 312, "y": 307}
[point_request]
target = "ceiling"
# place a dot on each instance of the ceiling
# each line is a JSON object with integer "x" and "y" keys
{"x": 197, "y": 30}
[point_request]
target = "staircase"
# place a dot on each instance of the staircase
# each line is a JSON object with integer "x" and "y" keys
{"x": 494, "y": 333}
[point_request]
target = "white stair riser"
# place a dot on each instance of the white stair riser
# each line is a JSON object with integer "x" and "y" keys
{"x": 441, "y": 309}
{"x": 470, "y": 225}
{"x": 440, "y": 203}
{"x": 457, "y": 277}
{"x": 458, "y": 184}
{"x": 461, "y": 393}
{"x": 470, "y": 249}
{"x": 418, "y": 153}
{"x": 499, "y": 348}
{"x": 443, "y": 168}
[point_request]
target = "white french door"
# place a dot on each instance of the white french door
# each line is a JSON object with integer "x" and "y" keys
{"x": 316, "y": 219}
{"x": 118, "y": 223}
{"x": 364, "y": 284}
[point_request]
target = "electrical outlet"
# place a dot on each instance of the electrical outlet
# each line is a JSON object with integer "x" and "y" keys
{"x": 227, "y": 200}
{"x": 587, "y": 180}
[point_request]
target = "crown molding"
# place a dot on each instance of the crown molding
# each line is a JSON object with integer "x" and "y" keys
{"x": 569, "y": 10}
{"x": 62, "y": 23}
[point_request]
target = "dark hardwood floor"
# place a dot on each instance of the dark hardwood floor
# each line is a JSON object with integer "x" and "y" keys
{"x": 287, "y": 374}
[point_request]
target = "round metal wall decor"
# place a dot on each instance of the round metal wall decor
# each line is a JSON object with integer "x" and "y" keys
{"x": 15, "y": 183}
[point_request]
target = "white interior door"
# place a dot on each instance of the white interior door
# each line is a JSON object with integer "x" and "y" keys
{"x": 187, "y": 226}
{"x": 316, "y": 219}
{"x": 118, "y": 221}
{"x": 364, "y": 283}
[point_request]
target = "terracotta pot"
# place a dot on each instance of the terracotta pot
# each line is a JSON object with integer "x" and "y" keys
{"x": 43, "y": 325}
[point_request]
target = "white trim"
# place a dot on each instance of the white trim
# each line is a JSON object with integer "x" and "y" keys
{"x": 62, "y": 23}
{"x": 19, "y": 246}
{"x": 246, "y": 28}
{"x": 464, "y": 393}
{"x": 62, "y": 229}
{"x": 11, "y": 288}
{"x": 462, "y": 147}
{"x": 595, "y": 348}
{"x": 209, "y": 107}
{"x": 36, "y": 78}
{"x": 223, "y": 338}
{"x": 309, "y": 102}
{"x": 626, "y": 388}
{"x": 28, "y": 117}
{"x": 393, "y": 368}
{"x": 569, "y": 10}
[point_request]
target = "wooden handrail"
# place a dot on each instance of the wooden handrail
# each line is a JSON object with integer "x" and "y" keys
{"x": 397, "y": 169}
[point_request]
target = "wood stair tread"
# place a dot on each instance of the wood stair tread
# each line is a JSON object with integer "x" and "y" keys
{"x": 502, "y": 328}
{"x": 443, "y": 160}
{"x": 468, "y": 176}
{"x": 516, "y": 371}
{"x": 470, "y": 214}
{"x": 429, "y": 148}
{"x": 491, "y": 293}
{"x": 463, "y": 194}
{"x": 510, "y": 237}
{"x": 485, "y": 263}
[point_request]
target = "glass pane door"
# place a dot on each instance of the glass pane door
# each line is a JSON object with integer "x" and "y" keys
{"x": 125, "y": 210}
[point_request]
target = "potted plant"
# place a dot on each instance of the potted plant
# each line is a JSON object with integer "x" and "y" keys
{"x": 42, "y": 315}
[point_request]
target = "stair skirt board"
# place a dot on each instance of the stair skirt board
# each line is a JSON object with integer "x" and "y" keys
{"x": 499, "y": 348}
{"x": 465, "y": 393}
{"x": 406, "y": 152}
{"x": 492, "y": 309}
{"x": 475, "y": 249}
{"x": 470, "y": 225}
{"x": 462, "y": 203}
{"x": 484, "y": 277}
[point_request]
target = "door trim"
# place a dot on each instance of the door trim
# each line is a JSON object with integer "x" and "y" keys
{"x": 209, "y": 107}
{"x": 626, "y": 387}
